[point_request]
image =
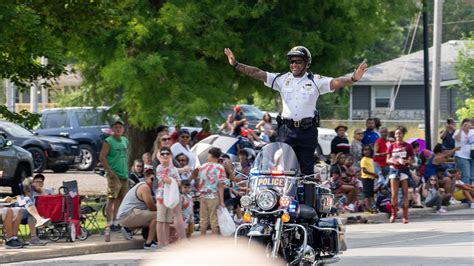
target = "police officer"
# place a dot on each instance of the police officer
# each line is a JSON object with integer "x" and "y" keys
{"x": 299, "y": 90}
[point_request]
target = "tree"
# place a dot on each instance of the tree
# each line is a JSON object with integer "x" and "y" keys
{"x": 467, "y": 111}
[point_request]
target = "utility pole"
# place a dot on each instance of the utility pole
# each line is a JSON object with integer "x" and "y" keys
{"x": 34, "y": 97}
{"x": 426, "y": 67}
{"x": 10, "y": 95}
{"x": 44, "y": 99}
{"x": 436, "y": 78}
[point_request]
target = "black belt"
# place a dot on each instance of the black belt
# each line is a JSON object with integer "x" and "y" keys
{"x": 304, "y": 123}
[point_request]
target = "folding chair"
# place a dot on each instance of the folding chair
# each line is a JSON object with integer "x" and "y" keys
{"x": 89, "y": 214}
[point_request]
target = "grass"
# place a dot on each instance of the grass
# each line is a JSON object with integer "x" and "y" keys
{"x": 101, "y": 220}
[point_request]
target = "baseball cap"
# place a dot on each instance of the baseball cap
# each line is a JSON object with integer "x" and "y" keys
{"x": 237, "y": 108}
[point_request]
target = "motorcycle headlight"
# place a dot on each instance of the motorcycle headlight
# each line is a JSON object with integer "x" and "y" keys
{"x": 266, "y": 200}
{"x": 246, "y": 201}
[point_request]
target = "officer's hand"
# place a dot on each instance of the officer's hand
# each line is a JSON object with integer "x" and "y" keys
{"x": 359, "y": 72}
{"x": 230, "y": 56}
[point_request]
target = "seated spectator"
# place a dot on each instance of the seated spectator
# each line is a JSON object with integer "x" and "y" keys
{"x": 11, "y": 217}
{"x": 136, "y": 173}
{"x": 187, "y": 207}
{"x": 205, "y": 131}
{"x": 340, "y": 184}
{"x": 433, "y": 194}
{"x": 38, "y": 186}
{"x": 227, "y": 128}
{"x": 462, "y": 190}
{"x": 251, "y": 136}
{"x": 435, "y": 164}
{"x": 27, "y": 202}
{"x": 138, "y": 210}
{"x": 245, "y": 163}
{"x": 447, "y": 134}
{"x": 340, "y": 143}
{"x": 383, "y": 202}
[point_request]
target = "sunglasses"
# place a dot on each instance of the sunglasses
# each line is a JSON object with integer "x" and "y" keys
{"x": 165, "y": 153}
{"x": 185, "y": 137}
{"x": 298, "y": 62}
{"x": 165, "y": 139}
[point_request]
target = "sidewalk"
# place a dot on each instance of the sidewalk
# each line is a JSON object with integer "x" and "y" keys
{"x": 96, "y": 244}
{"x": 351, "y": 218}
{"x": 93, "y": 244}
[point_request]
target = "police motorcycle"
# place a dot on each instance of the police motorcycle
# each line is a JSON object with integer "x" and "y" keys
{"x": 275, "y": 217}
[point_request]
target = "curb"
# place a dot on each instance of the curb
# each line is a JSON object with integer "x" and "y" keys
{"x": 53, "y": 250}
{"x": 383, "y": 217}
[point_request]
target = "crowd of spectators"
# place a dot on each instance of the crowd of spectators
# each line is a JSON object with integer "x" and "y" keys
{"x": 398, "y": 174}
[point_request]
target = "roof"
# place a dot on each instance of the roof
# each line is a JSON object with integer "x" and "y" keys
{"x": 389, "y": 73}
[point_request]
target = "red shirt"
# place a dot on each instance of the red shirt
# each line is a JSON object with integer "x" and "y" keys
{"x": 401, "y": 151}
{"x": 383, "y": 147}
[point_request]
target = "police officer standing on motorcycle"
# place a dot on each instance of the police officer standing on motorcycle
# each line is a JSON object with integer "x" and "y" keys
{"x": 299, "y": 90}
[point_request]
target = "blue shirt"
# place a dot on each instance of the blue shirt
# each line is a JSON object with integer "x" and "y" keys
{"x": 370, "y": 136}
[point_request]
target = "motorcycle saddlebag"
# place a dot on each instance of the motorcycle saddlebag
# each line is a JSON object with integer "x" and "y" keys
{"x": 327, "y": 240}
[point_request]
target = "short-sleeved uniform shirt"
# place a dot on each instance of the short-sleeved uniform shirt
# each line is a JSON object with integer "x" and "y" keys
{"x": 400, "y": 151}
{"x": 158, "y": 184}
{"x": 299, "y": 95}
{"x": 210, "y": 176}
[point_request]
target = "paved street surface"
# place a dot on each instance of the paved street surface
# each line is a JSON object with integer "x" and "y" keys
{"x": 433, "y": 240}
{"x": 89, "y": 182}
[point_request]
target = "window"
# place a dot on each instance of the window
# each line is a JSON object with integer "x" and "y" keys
{"x": 56, "y": 120}
{"x": 381, "y": 96}
{"x": 87, "y": 118}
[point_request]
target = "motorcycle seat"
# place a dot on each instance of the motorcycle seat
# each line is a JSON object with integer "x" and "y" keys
{"x": 307, "y": 212}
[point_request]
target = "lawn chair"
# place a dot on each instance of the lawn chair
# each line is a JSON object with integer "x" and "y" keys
{"x": 90, "y": 211}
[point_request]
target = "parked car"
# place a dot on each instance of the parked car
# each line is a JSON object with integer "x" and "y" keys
{"x": 87, "y": 125}
{"x": 16, "y": 164}
{"x": 55, "y": 153}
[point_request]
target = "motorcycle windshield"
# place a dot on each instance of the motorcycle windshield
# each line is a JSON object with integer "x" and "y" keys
{"x": 276, "y": 156}
{"x": 270, "y": 169}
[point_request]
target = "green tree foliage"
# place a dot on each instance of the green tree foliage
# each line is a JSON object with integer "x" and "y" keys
{"x": 155, "y": 59}
{"x": 465, "y": 67}
{"x": 467, "y": 111}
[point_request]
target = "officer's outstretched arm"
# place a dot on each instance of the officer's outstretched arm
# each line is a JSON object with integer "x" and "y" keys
{"x": 250, "y": 71}
{"x": 340, "y": 82}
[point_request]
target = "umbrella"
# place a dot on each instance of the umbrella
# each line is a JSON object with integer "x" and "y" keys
{"x": 420, "y": 141}
{"x": 200, "y": 149}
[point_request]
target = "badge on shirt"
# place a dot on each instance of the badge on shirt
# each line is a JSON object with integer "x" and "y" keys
{"x": 287, "y": 82}
{"x": 308, "y": 86}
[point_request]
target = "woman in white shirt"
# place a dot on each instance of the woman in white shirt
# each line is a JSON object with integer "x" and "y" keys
{"x": 182, "y": 146}
{"x": 463, "y": 137}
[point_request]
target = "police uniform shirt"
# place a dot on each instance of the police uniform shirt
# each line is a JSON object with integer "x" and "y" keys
{"x": 299, "y": 94}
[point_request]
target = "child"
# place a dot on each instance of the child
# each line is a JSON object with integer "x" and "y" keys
{"x": 433, "y": 194}
{"x": 368, "y": 176}
{"x": 383, "y": 200}
{"x": 147, "y": 161}
{"x": 187, "y": 207}
{"x": 165, "y": 172}
{"x": 211, "y": 178}
{"x": 462, "y": 190}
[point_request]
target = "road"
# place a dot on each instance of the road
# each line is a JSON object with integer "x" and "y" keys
{"x": 89, "y": 182}
{"x": 432, "y": 240}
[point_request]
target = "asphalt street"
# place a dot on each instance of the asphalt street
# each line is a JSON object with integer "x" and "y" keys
{"x": 432, "y": 240}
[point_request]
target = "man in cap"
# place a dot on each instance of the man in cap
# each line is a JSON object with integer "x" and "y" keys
{"x": 299, "y": 90}
{"x": 114, "y": 158}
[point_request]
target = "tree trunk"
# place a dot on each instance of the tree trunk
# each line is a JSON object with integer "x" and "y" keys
{"x": 140, "y": 141}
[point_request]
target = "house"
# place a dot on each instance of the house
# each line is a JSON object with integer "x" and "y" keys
{"x": 394, "y": 90}
{"x": 64, "y": 84}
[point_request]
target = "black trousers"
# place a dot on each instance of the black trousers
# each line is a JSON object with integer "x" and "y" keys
{"x": 304, "y": 143}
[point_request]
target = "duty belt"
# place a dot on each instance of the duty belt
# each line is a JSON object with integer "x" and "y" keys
{"x": 304, "y": 123}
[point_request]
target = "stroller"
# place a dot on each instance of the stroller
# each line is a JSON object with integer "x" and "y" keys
{"x": 64, "y": 211}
